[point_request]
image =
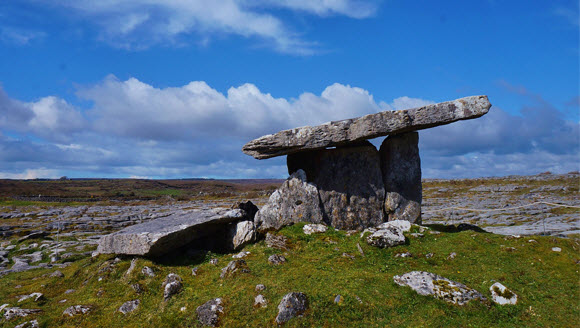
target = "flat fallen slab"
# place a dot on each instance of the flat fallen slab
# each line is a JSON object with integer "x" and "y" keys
{"x": 159, "y": 236}
{"x": 366, "y": 127}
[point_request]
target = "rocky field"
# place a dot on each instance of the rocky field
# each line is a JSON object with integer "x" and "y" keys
{"x": 46, "y": 248}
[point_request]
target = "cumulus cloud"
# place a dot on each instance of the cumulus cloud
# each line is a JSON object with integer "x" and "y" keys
{"x": 140, "y": 24}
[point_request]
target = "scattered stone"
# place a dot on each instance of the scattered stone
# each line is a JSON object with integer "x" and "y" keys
{"x": 28, "y": 324}
{"x": 406, "y": 254}
{"x": 34, "y": 235}
{"x": 13, "y": 312}
{"x": 429, "y": 255}
{"x": 532, "y": 241}
{"x": 35, "y": 296}
{"x": 76, "y": 310}
{"x": 314, "y": 228}
{"x": 401, "y": 168}
{"x": 417, "y": 235}
{"x": 276, "y": 241}
{"x": 213, "y": 261}
{"x": 452, "y": 256}
{"x": 148, "y": 272}
{"x": 171, "y": 286}
{"x": 159, "y": 236}
{"x": 56, "y": 274}
{"x": 260, "y": 301}
{"x": 63, "y": 301}
{"x": 131, "y": 267}
{"x": 360, "y": 250}
{"x": 358, "y": 299}
{"x": 233, "y": 267}
{"x": 350, "y": 256}
{"x": 403, "y": 225}
{"x": 426, "y": 283}
{"x": 208, "y": 313}
{"x": 69, "y": 291}
{"x": 292, "y": 305}
{"x": 387, "y": 237}
{"x": 240, "y": 234}
{"x": 501, "y": 295}
{"x": 366, "y": 127}
{"x": 194, "y": 271}
{"x": 129, "y": 306}
{"x": 137, "y": 288}
{"x": 295, "y": 201}
{"x": 260, "y": 287}
{"x": 183, "y": 309}
{"x": 556, "y": 249}
{"x": 339, "y": 300}
{"x": 277, "y": 259}
{"x": 241, "y": 255}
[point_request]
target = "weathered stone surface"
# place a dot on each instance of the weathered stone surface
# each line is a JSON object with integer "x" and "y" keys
{"x": 28, "y": 324}
{"x": 404, "y": 225}
{"x": 387, "y": 237}
{"x": 314, "y": 228}
{"x": 13, "y": 312}
{"x": 366, "y": 127}
{"x": 501, "y": 295}
{"x": 349, "y": 184}
{"x": 240, "y": 234}
{"x": 260, "y": 301}
{"x": 277, "y": 259}
{"x": 129, "y": 306}
{"x": 171, "y": 286}
{"x": 276, "y": 241}
{"x": 401, "y": 168}
{"x": 295, "y": 201}
{"x": 292, "y": 305}
{"x": 159, "y": 236}
{"x": 35, "y": 296}
{"x": 233, "y": 267}
{"x": 426, "y": 283}
{"x": 208, "y": 313}
{"x": 76, "y": 310}
{"x": 147, "y": 271}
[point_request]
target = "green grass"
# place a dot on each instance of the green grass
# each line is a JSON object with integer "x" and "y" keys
{"x": 546, "y": 282}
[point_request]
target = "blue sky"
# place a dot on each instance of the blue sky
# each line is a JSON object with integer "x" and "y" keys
{"x": 173, "y": 88}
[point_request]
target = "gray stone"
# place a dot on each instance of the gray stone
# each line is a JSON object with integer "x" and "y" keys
{"x": 292, "y": 305}
{"x": 260, "y": 301}
{"x": 401, "y": 169}
{"x": 276, "y": 259}
{"x": 35, "y": 296}
{"x": 147, "y": 271}
{"x": 233, "y": 267}
{"x": 13, "y": 312}
{"x": 501, "y": 295}
{"x": 276, "y": 241}
{"x": 28, "y": 324}
{"x": 314, "y": 228}
{"x": 157, "y": 237}
{"x": 171, "y": 286}
{"x": 295, "y": 201}
{"x": 366, "y": 127}
{"x": 241, "y": 255}
{"x": 426, "y": 283}
{"x": 129, "y": 306}
{"x": 56, "y": 274}
{"x": 76, "y": 310}
{"x": 241, "y": 233}
{"x": 404, "y": 226}
{"x": 387, "y": 237}
{"x": 208, "y": 313}
{"x": 349, "y": 183}
{"x": 260, "y": 287}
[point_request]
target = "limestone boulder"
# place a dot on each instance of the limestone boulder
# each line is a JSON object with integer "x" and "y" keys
{"x": 401, "y": 171}
{"x": 240, "y": 234}
{"x": 386, "y": 237}
{"x": 502, "y": 295}
{"x": 349, "y": 183}
{"x": 295, "y": 201}
{"x": 208, "y": 313}
{"x": 292, "y": 305}
{"x": 371, "y": 126}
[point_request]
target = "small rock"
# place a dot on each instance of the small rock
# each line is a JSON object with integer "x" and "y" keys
{"x": 430, "y": 255}
{"x": 213, "y": 261}
{"x": 406, "y": 254}
{"x": 276, "y": 259}
{"x": 260, "y": 301}
{"x": 63, "y": 301}
{"x": 339, "y": 300}
{"x": 417, "y": 235}
{"x": 556, "y": 249}
{"x": 56, "y": 274}
{"x": 403, "y": 225}
{"x": 314, "y": 228}
{"x": 452, "y": 256}
{"x": 241, "y": 255}
{"x": 28, "y": 324}
{"x": 69, "y": 291}
{"x": 171, "y": 286}
{"x": 260, "y": 287}
{"x": 137, "y": 288}
{"x": 183, "y": 309}
{"x": 360, "y": 250}
{"x": 77, "y": 309}
{"x": 208, "y": 313}
{"x": 276, "y": 241}
{"x": 131, "y": 267}
{"x": 233, "y": 267}
{"x": 292, "y": 305}
{"x": 387, "y": 237}
{"x": 533, "y": 241}
{"x": 358, "y": 299}
{"x": 36, "y": 296}
{"x": 194, "y": 271}
{"x": 501, "y": 295}
{"x": 348, "y": 256}
{"x": 147, "y": 271}
{"x": 426, "y": 283}
{"x": 13, "y": 312}
{"x": 129, "y": 306}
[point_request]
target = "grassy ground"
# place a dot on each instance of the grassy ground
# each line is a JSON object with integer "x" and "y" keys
{"x": 547, "y": 283}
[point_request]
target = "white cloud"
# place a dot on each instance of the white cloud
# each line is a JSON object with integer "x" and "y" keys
{"x": 138, "y": 24}
{"x": 31, "y": 174}
{"x": 53, "y": 115}
{"x": 19, "y": 37}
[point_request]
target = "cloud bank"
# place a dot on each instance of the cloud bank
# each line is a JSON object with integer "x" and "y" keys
{"x": 132, "y": 128}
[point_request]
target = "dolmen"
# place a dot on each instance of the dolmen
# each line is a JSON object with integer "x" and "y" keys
{"x": 338, "y": 178}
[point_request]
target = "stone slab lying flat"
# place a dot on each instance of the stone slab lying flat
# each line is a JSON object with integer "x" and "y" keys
{"x": 159, "y": 236}
{"x": 366, "y": 127}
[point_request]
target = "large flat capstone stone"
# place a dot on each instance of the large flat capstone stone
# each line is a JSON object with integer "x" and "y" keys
{"x": 366, "y": 127}
{"x": 160, "y": 236}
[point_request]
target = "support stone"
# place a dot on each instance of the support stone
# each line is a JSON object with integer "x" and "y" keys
{"x": 401, "y": 170}
{"x": 349, "y": 183}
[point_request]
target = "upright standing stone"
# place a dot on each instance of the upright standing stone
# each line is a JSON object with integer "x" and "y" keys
{"x": 349, "y": 183}
{"x": 401, "y": 167}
